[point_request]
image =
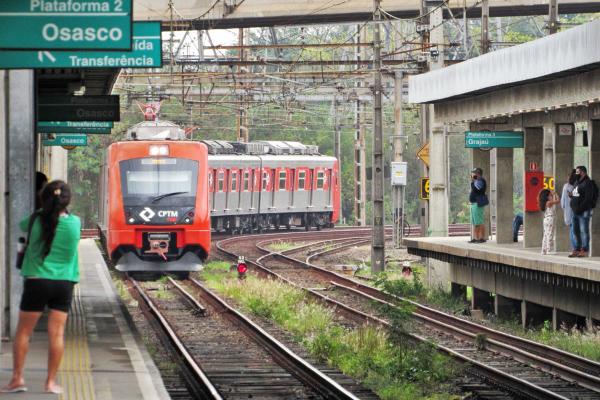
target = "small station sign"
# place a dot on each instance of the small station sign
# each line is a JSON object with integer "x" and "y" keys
{"x": 145, "y": 53}
{"x": 89, "y": 127}
{"x": 506, "y": 139}
{"x": 65, "y": 24}
{"x": 424, "y": 189}
{"x": 66, "y": 140}
{"x": 78, "y": 108}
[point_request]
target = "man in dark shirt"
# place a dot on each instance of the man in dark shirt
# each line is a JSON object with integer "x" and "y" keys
{"x": 582, "y": 205}
{"x": 478, "y": 200}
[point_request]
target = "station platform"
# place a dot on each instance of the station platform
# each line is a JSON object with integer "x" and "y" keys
{"x": 511, "y": 254}
{"x": 504, "y": 274}
{"x": 104, "y": 357}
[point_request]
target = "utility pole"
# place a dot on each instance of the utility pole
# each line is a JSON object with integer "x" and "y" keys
{"x": 378, "y": 235}
{"x": 337, "y": 145}
{"x": 360, "y": 170}
{"x": 425, "y": 126}
{"x": 398, "y": 147}
{"x": 553, "y": 20}
{"x": 485, "y": 30}
{"x": 242, "y": 119}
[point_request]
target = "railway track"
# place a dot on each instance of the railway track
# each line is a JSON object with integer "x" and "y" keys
{"x": 523, "y": 367}
{"x": 227, "y": 356}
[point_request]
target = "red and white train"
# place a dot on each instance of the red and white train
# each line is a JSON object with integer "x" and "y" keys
{"x": 161, "y": 194}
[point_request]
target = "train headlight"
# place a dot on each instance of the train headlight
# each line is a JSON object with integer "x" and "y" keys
{"x": 159, "y": 150}
{"x": 131, "y": 220}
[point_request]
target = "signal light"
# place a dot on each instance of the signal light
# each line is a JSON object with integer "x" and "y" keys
{"x": 159, "y": 150}
{"x": 242, "y": 268}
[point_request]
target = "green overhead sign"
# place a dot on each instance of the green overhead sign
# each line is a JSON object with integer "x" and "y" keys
{"x": 65, "y": 140}
{"x": 478, "y": 140}
{"x": 90, "y": 127}
{"x": 65, "y": 24}
{"x": 78, "y": 108}
{"x": 146, "y": 53}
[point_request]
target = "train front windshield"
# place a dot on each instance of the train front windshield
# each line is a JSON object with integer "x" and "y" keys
{"x": 164, "y": 181}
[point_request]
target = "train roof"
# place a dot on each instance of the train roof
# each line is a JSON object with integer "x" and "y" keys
{"x": 260, "y": 148}
{"x": 156, "y": 130}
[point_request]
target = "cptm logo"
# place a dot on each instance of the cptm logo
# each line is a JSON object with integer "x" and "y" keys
{"x": 147, "y": 214}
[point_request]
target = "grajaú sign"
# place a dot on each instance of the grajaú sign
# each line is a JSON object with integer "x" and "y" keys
{"x": 65, "y": 24}
{"x": 485, "y": 139}
{"x": 78, "y": 108}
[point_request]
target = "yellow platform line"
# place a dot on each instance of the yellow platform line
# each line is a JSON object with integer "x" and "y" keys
{"x": 75, "y": 372}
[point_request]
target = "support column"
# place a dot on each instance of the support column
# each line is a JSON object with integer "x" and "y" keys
{"x": 594, "y": 172}
{"x": 481, "y": 159}
{"x": 564, "y": 158}
{"x": 504, "y": 195}
{"x": 532, "y": 221}
{"x": 21, "y": 183}
{"x": 438, "y": 193}
{"x": 360, "y": 169}
{"x": 4, "y": 262}
{"x": 523, "y": 314}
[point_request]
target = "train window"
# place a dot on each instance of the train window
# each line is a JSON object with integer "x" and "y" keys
{"x": 301, "y": 180}
{"x": 142, "y": 178}
{"x": 282, "y": 180}
{"x": 246, "y": 181}
{"x": 265, "y": 180}
{"x": 320, "y": 179}
{"x": 220, "y": 181}
{"x": 234, "y": 181}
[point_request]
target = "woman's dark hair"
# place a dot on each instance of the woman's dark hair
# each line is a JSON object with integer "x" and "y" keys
{"x": 543, "y": 198}
{"x": 573, "y": 177}
{"x": 55, "y": 197}
{"x": 40, "y": 180}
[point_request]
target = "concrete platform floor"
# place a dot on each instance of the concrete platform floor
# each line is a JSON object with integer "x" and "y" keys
{"x": 513, "y": 254}
{"x": 104, "y": 358}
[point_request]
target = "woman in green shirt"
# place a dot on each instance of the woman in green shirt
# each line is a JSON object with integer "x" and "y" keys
{"x": 50, "y": 269}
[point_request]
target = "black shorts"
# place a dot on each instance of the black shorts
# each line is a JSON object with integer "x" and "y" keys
{"x": 39, "y": 293}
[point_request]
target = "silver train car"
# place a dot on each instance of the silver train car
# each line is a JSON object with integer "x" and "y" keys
{"x": 256, "y": 186}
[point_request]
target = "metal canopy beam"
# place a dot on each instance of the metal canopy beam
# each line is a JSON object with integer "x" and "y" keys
{"x": 220, "y": 14}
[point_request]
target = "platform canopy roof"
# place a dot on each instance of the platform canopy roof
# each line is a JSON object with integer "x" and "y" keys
{"x": 205, "y": 14}
{"x": 565, "y": 53}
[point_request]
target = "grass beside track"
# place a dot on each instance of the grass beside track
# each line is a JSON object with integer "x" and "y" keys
{"x": 368, "y": 354}
{"x": 585, "y": 343}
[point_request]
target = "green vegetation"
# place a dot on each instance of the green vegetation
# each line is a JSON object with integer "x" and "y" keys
{"x": 387, "y": 364}
{"x": 282, "y": 246}
{"x": 585, "y": 343}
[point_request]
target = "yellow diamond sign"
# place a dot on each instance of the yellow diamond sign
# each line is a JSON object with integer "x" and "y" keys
{"x": 423, "y": 154}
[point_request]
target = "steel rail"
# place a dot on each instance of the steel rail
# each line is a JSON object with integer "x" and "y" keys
{"x": 307, "y": 373}
{"x": 521, "y": 353}
{"x": 208, "y": 388}
{"x": 571, "y": 365}
{"x": 524, "y": 355}
{"x": 509, "y": 382}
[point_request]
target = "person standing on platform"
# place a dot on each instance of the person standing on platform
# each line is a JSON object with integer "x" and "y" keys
{"x": 583, "y": 200}
{"x": 50, "y": 269}
{"x": 478, "y": 200}
{"x": 547, "y": 200}
{"x": 565, "y": 200}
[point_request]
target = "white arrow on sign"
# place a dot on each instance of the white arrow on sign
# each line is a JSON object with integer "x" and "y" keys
{"x": 41, "y": 55}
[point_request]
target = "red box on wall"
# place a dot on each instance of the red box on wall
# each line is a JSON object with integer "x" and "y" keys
{"x": 534, "y": 183}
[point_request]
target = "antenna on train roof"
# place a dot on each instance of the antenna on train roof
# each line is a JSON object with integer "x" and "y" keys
{"x": 150, "y": 110}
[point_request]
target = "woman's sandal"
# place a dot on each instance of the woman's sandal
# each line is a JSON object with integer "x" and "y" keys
{"x": 16, "y": 389}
